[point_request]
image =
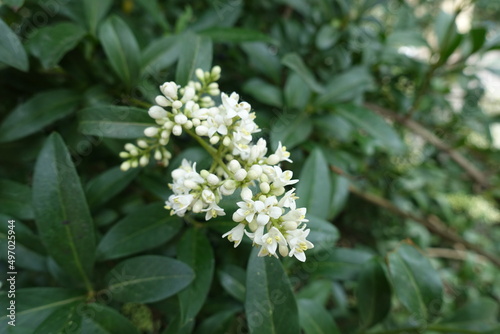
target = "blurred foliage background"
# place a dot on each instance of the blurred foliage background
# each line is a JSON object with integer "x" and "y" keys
{"x": 390, "y": 111}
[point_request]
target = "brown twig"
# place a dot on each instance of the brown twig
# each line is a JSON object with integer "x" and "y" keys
{"x": 432, "y": 223}
{"x": 452, "y": 254}
{"x": 431, "y": 138}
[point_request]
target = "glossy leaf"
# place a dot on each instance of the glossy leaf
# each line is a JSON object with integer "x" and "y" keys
{"x": 121, "y": 48}
{"x": 195, "y": 250}
{"x": 270, "y": 305}
{"x": 62, "y": 320}
{"x": 314, "y": 188}
{"x": 62, "y": 215}
{"x": 217, "y": 323}
{"x": 264, "y": 92}
{"x": 49, "y": 44}
{"x": 95, "y": 11}
{"x": 372, "y": 124}
{"x": 323, "y": 234}
{"x": 233, "y": 280}
{"x": 373, "y": 294}
{"x": 145, "y": 228}
{"x": 340, "y": 194}
{"x": 107, "y": 185}
{"x": 39, "y": 111}
{"x": 235, "y": 35}
{"x": 12, "y": 52}
{"x": 263, "y": 58}
{"x": 327, "y": 36}
{"x": 114, "y": 121}
{"x": 148, "y": 278}
{"x": 102, "y": 319}
{"x": 160, "y": 54}
{"x": 34, "y": 305}
{"x": 155, "y": 12}
{"x": 15, "y": 199}
{"x": 195, "y": 52}
{"x": 345, "y": 86}
{"x": 291, "y": 129}
{"x": 416, "y": 283}
{"x": 314, "y": 319}
{"x": 296, "y": 92}
{"x": 294, "y": 62}
{"x": 338, "y": 263}
{"x": 477, "y": 315}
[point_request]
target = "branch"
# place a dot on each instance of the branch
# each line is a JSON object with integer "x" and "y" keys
{"x": 431, "y": 138}
{"x": 432, "y": 223}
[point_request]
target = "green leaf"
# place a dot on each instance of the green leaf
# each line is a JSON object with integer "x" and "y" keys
{"x": 327, "y": 37}
{"x": 121, "y": 48}
{"x": 477, "y": 315}
{"x": 94, "y": 11}
{"x": 195, "y": 250}
{"x": 291, "y": 129}
{"x": 319, "y": 290}
{"x": 372, "y": 124}
{"x": 295, "y": 63}
{"x": 49, "y": 44}
{"x": 105, "y": 186}
{"x": 155, "y": 12}
{"x": 145, "y": 228}
{"x": 217, "y": 323}
{"x": 339, "y": 263}
{"x": 62, "y": 215}
{"x": 34, "y": 305}
{"x": 416, "y": 283}
{"x": 114, "y": 121}
{"x": 101, "y": 319}
{"x": 400, "y": 38}
{"x": 160, "y": 54}
{"x": 314, "y": 187}
{"x": 346, "y": 86}
{"x": 38, "y": 112}
{"x": 12, "y": 52}
{"x": 233, "y": 278}
{"x": 270, "y": 305}
{"x": 14, "y": 3}
{"x": 147, "y": 279}
{"x": 373, "y": 294}
{"x": 314, "y": 319}
{"x": 63, "y": 320}
{"x": 195, "y": 52}
{"x": 263, "y": 58}
{"x": 297, "y": 93}
{"x": 264, "y": 92}
{"x": 323, "y": 234}
{"x": 15, "y": 199}
{"x": 235, "y": 35}
{"x": 340, "y": 194}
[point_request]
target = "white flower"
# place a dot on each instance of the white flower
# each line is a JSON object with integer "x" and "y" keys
{"x": 282, "y": 153}
{"x": 288, "y": 200}
{"x": 298, "y": 243}
{"x": 297, "y": 215}
{"x": 179, "y": 203}
{"x": 235, "y": 234}
{"x": 246, "y": 210}
{"x": 213, "y": 211}
{"x": 267, "y": 210}
{"x": 282, "y": 179}
{"x": 256, "y": 236}
{"x": 169, "y": 89}
{"x": 272, "y": 239}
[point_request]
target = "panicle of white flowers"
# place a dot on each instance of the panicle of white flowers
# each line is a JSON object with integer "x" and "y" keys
{"x": 267, "y": 213}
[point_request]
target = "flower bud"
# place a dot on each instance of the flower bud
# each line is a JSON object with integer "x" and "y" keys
{"x": 134, "y": 164}
{"x": 246, "y": 194}
{"x": 212, "y": 179}
{"x": 124, "y": 155}
{"x": 204, "y": 173}
{"x": 142, "y": 143}
{"x": 177, "y": 130}
{"x": 157, "y": 112}
{"x": 188, "y": 124}
{"x": 180, "y": 119}
{"x": 188, "y": 94}
{"x": 253, "y": 225}
{"x": 125, "y": 166}
{"x": 151, "y": 131}
{"x": 200, "y": 74}
{"x": 230, "y": 184}
{"x": 157, "y": 155}
{"x": 190, "y": 184}
{"x": 240, "y": 174}
{"x": 226, "y": 141}
{"x": 290, "y": 225}
{"x": 162, "y": 101}
{"x": 264, "y": 187}
{"x": 196, "y": 121}
{"x": 278, "y": 191}
{"x": 129, "y": 147}
{"x": 143, "y": 161}
{"x": 169, "y": 89}
{"x": 198, "y": 206}
{"x": 283, "y": 250}
{"x": 177, "y": 104}
{"x": 273, "y": 159}
{"x": 237, "y": 217}
{"x": 214, "y": 140}
{"x": 201, "y": 130}
{"x": 234, "y": 166}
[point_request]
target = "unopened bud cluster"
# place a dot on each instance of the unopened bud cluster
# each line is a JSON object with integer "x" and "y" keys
{"x": 267, "y": 213}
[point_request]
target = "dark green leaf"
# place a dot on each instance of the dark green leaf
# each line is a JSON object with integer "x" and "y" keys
{"x": 478, "y": 315}
{"x": 323, "y": 234}
{"x": 12, "y": 52}
{"x": 264, "y": 92}
{"x": 314, "y": 187}
{"x": 263, "y": 58}
{"x": 62, "y": 215}
{"x": 294, "y": 62}
{"x": 15, "y": 199}
{"x": 95, "y": 10}
{"x": 13, "y": 3}
{"x": 415, "y": 281}
{"x": 400, "y": 38}
{"x": 62, "y": 320}
{"x": 348, "y": 85}
{"x": 334, "y": 126}
{"x": 235, "y": 35}
{"x": 149, "y": 278}
{"x": 373, "y": 294}
{"x": 107, "y": 185}
{"x": 101, "y": 319}
{"x": 195, "y": 52}
{"x": 160, "y": 54}
{"x": 145, "y": 228}
{"x": 270, "y": 305}
{"x": 319, "y": 290}
{"x": 372, "y": 124}
{"x": 314, "y": 319}
{"x": 232, "y": 279}
{"x": 327, "y": 36}
{"x": 338, "y": 263}
{"x": 34, "y": 305}
{"x": 114, "y": 121}
{"x": 121, "y": 48}
{"x": 297, "y": 93}
{"x": 195, "y": 250}
{"x": 155, "y": 11}
{"x": 38, "y": 112}
{"x": 217, "y": 323}
{"x": 49, "y": 44}
{"x": 291, "y": 129}
{"x": 340, "y": 193}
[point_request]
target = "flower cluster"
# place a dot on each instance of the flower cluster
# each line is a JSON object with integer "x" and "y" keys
{"x": 267, "y": 213}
